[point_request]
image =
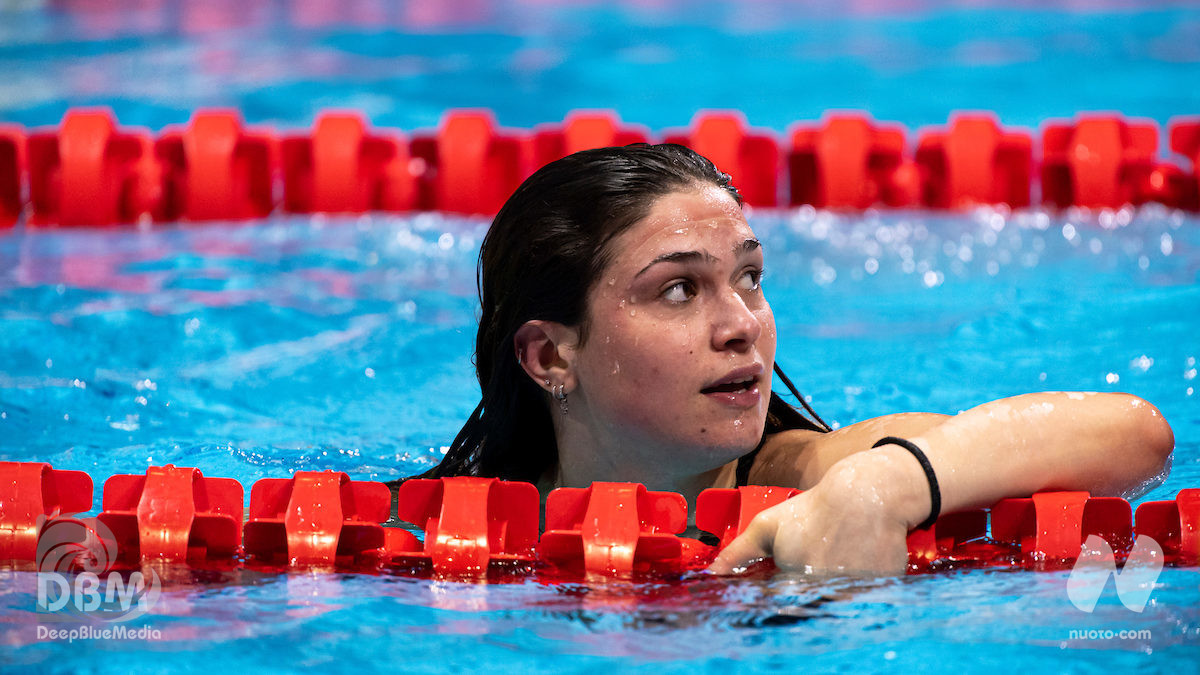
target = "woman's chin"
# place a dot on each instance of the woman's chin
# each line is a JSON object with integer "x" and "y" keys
{"x": 724, "y": 448}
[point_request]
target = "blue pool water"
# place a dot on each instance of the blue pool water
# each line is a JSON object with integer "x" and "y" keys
{"x": 657, "y": 63}
{"x": 255, "y": 350}
{"x": 342, "y": 343}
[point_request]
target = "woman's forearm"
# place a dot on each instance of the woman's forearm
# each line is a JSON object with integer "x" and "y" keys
{"x": 1106, "y": 444}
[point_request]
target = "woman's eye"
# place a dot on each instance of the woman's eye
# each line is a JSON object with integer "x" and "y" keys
{"x": 680, "y": 291}
{"x": 751, "y": 280}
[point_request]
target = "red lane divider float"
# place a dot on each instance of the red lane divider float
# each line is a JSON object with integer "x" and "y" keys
{"x": 316, "y": 518}
{"x": 31, "y": 492}
{"x": 471, "y": 525}
{"x": 727, "y": 513}
{"x": 1174, "y": 524}
{"x": 583, "y": 130}
{"x": 345, "y": 167}
{"x": 850, "y": 162}
{"x": 1097, "y": 161}
{"x": 956, "y": 539}
{"x": 12, "y": 169}
{"x": 473, "y": 165}
{"x": 614, "y": 529}
{"x": 215, "y": 169}
{"x": 1049, "y": 528}
{"x": 173, "y": 514}
{"x": 88, "y": 171}
{"x": 973, "y": 162}
{"x": 1185, "y": 140}
{"x": 484, "y": 528}
{"x": 750, "y": 156}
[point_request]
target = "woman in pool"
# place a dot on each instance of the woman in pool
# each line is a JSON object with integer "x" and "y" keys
{"x": 624, "y": 336}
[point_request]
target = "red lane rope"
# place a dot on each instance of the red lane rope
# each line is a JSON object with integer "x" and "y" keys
{"x": 485, "y": 527}
{"x": 89, "y": 171}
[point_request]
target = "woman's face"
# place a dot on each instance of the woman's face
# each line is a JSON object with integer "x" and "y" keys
{"x": 680, "y": 340}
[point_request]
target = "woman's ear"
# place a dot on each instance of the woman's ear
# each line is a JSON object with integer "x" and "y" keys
{"x": 545, "y": 350}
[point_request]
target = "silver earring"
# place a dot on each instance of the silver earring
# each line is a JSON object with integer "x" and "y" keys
{"x": 561, "y": 396}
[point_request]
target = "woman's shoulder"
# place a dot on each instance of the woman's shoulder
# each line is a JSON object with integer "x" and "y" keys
{"x": 783, "y": 456}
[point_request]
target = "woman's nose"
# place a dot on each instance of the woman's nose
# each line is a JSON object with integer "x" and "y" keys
{"x": 736, "y": 326}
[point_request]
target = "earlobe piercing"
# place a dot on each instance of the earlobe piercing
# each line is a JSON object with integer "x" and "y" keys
{"x": 561, "y": 396}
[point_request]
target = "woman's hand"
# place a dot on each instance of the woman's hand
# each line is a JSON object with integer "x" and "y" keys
{"x": 855, "y": 521}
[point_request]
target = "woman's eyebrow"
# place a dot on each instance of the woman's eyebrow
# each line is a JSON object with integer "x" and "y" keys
{"x": 678, "y": 257}
{"x": 698, "y": 256}
{"x": 746, "y": 246}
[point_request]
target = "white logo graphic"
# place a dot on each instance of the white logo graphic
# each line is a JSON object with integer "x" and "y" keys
{"x": 71, "y": 556}
{"x": 1096, "y": 564}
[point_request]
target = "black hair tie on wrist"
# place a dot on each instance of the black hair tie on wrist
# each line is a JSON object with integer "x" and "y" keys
{"x": 935, "y": 494}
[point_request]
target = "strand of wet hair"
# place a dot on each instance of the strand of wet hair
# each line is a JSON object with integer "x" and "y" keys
{"x": 800, "y": 397}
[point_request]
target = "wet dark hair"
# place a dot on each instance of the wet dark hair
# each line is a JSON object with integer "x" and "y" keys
{"x": 544, "y": 251}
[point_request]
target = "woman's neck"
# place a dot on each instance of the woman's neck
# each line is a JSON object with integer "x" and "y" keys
{"x": 580, "y": 467}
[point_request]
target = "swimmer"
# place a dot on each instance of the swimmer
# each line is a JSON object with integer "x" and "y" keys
{"x": 625, "y": 336}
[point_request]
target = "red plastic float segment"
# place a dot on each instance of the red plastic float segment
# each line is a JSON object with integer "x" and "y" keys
{"x": 215, "y": 169}
{"x": 469, "y": 522}
{"x": 316, "y": 518}
{"x": 12, "y": 172}
{"x": 945, "y": 538}
{"x": 974, "y": 161}
{"x": 472, "y": 166}
{"x": 30, "y": 492}
{"x": 173, "y": 514}
{"x": 1097, "y": 161}
{"x": 750, "y": 156}
{"x": 850, "y": 162}
{"x": 1185, "y": 140}
{"x": 727, "y": 513}
{"x": 1174, "y": 524}
{"x": 89, "y": 172}
{"x": 614, "y": 529}
{"x": 1054, "y": 525}
{"x": 583, "y": 130}
{"x": 343, "y": 167}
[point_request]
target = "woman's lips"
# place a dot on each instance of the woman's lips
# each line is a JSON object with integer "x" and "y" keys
{"x": 738, "y": 388}
{"x": 741, "y": 398}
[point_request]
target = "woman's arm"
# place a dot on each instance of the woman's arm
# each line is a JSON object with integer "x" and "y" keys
{"x": 862, "y": 504}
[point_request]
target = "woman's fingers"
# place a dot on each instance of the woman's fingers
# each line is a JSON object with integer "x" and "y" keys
{"x": 806, "y": 534}
{"x": 752, "y": 545}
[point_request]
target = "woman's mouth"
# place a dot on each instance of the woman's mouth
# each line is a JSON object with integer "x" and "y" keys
{"x": 738, "y": 389}
{"x": 731, "y": 387}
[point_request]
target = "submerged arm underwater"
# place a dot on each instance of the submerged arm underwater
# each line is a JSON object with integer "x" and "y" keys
{"x": 861, "y": 503}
